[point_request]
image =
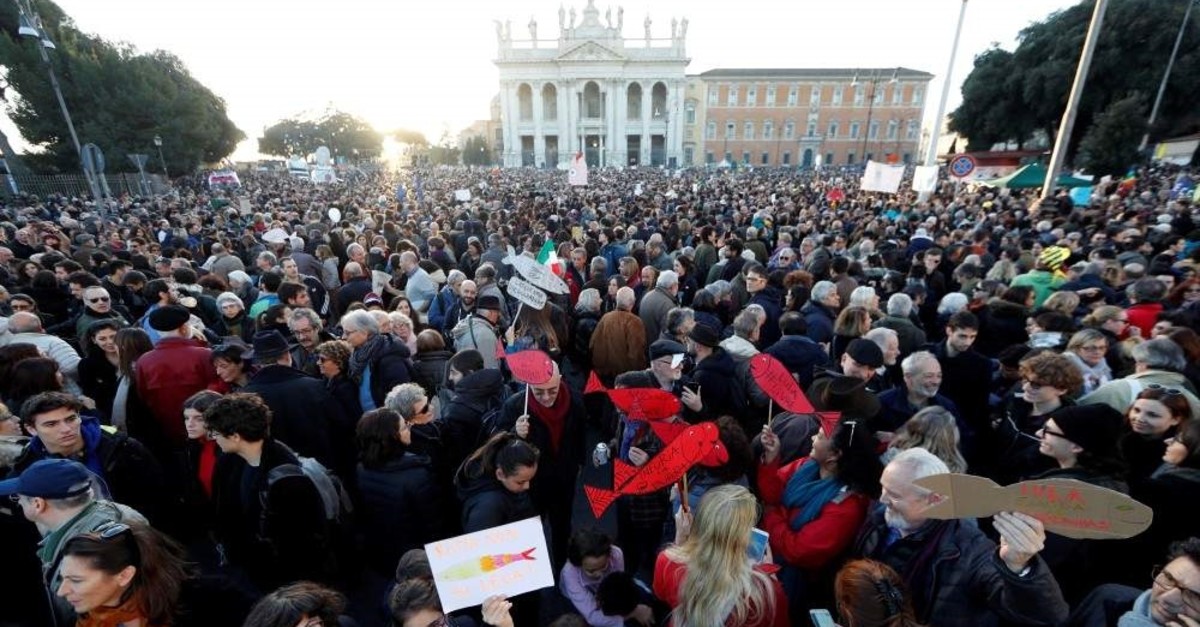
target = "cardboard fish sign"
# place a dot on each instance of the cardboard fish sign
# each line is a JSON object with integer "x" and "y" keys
{"x": 655, "y": 406}
{"x": 537, "y": 274}
{"x": 1065, "y": 506}
{"x": 698, "y": 444}
{"x": 471, "y": 569}
{"x": 777, "y": 381}
{"x": 530, "y": 366}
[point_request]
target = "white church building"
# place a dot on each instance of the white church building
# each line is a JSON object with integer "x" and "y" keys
{"x": 618, "y": 100}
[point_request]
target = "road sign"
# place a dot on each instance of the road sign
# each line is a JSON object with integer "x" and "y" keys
{"x": 961, "y": 166}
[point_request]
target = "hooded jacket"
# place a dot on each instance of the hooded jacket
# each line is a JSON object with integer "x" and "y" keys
{"x": 486, "y": 503}
{"x": 473, "y": 396}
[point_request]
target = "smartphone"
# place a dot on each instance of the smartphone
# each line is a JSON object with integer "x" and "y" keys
{"x": 821, "y": 618}
{"x": 758, "y": 545}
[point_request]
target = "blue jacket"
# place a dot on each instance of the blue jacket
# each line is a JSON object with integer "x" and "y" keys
{"x": 612, "y": 253}
{"x": 894, "y": 409}
{"x": 445, "y": 300}
{"x": 801, "y": 356}
{"x": 820, "y": 322}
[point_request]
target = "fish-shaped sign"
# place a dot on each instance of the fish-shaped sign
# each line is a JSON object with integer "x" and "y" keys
{"x": 777, "y": 381}
{"x": 485, "y": 564}
{"x": 1065, "y": 506}
{"x": 530, "y": 366}
{"x": 652, "y": 405}
{"x": 538, "y": 274}
{"x": 698, "y": 444}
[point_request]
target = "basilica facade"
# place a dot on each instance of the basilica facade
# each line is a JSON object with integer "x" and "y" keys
{"x": 618, "y": 100}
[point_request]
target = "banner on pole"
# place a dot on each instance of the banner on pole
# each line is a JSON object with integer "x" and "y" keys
{"x": 578, "y": 175}
{"x": 879, "y": 177}
{"x": 925, "y": 178}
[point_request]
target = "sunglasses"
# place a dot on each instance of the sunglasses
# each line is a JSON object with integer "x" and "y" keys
{"x": 110, "y": 530}
{"x": 1058, "y": 434}
{"x": 99, "y": 299}
{"x": 1164, "y": 389}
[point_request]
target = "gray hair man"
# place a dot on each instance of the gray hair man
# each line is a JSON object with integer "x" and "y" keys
{"x": 658, "y": 302}
{"x": 410, "y": 401}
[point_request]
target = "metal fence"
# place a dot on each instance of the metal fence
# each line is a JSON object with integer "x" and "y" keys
{"x": 77, "y": 185}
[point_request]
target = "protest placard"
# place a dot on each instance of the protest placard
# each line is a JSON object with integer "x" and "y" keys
{"x": 462, "y": 195}
{"x": 507, "y": 560}
{"x": 778, "y": 383}
{"x": 526, "y": 292}
{"x": 530, "y": 366}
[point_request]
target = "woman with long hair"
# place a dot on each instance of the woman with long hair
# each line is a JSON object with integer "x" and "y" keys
{"x": 132, "y": 343}
{"x": 852, "y": 323}
{"x": 871, "y": 594}
{"x": 1156, "y": 415}
{"x": 403, "y": 305}
{"x": 493, "y": 483}
{"x": 98, "y": 375}
{"x": 533, "y": 329}
{"x": 10, "y": 356}
{"x": 402, "y": 506}
{"x": 1185, "y": 294}
{"x": 121, "y": 575}
{"x": 300, "y": 604}
{"x": 933, "y": 429}
{"x": 815, "y": 505}
{"x": 706, "y": 576}
{"x": 33, "y": 376}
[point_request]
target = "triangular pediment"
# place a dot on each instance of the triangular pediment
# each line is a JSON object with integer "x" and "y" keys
{"x": 590, "y": 51}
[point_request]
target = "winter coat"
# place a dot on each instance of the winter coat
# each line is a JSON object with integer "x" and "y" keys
{"x": 389, "y": 368}
{"x": 304, "y": 415}
{"x": 558, "y": 463}
{"x": 895, "y": 410}
{"x": 719, "y": 387}
{"x": 401, "y": 508}
{"x": 473, "y": 396}
{"x": 823, "y": 539}
{"x": 956, "y": 577}
{"x": 1172, "y": 492}
{"x": 477, "y": 333}
{"x": 1043, "y": 283}
{"x": 166, "y": 376}
{"x": 820, "y": 322}
{"x": 668, "y": 581}
{"x": 910, "y": 336}
{"x": 486, "y": 503}
{"x": 1143, "y": 316}
{"x": 1121, "y": 393}
{"x": 98, "y": 380}
{"x": 653, "y": 310}
{"x": 770, "y": 298}
{"x": 966, "y": 380}
{"x": 1001, "y": 324}
{"x": 429, "y": 369}
{"x": 354, "y": 291}
{"x": 345, "y": 392}
{"x": 801, "y": 356}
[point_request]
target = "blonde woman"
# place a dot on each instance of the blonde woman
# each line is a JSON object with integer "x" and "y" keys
{"x": 706, "y": 576}
{"x": 852, "y": 323}
{"x": 1062, "y": 302}
{"x": 933, "y": 429}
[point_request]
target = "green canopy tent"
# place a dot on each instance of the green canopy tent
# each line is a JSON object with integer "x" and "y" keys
{"x": 1034, "y": 175}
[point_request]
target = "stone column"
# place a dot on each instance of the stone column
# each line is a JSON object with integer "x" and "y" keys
{"x": 620, "y": 115}
{"x": 610, "y": 122}
{"x": 539, "y": 140}
{"x": 678, "y": 95}
{"x": 564, "y": 123}
{"x": 647, "y": 118}
{"x": 514, "y": 105}
{"x": 506, "y": 115}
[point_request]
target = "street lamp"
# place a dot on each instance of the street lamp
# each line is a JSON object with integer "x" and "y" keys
{"x": 874, "y": 83}
{"x": 158, "y": 144}
{"x": 31, "y": 26}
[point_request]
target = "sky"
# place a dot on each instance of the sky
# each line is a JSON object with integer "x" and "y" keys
{"x": 427, "y": 65}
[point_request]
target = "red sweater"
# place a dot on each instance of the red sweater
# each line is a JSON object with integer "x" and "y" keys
{"x": 668, "y": 577}
{"x": 1143, "y": 316}
{"x": 819, "y": 542}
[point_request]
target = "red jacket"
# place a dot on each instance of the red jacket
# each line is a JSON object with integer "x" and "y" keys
{"x": 668, "y": 579}
{"x": 822, "y": 540}
{"x": 166, "y": 376}
{"x": 1143, "y": 316}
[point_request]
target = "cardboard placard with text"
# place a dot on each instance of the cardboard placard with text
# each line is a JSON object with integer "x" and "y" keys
{"x": 508, "y": 560}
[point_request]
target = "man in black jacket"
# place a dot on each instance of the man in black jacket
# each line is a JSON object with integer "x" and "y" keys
{"x": 796, "y": 350}
{"x": 966, "y": 376}
{"x": 305, "y": 416}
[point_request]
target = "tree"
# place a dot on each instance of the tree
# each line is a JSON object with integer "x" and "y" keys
{"x": 1008, "y": 96}
{"x": 410, "y": 138}
{"x": 344, "y": 134}
{"x": 1111, "y": 144}
{"x": 476, "y": 151}
{"x": 120, "y": 99}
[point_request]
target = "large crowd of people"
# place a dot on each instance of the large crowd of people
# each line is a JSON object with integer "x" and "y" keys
{"x": 239, "y": 407}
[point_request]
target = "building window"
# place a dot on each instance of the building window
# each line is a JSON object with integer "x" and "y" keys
{"x": 690, "y": 113}
{"x": 732, "y": 97}
{"x": 850, "y": 158}
{"x": 907, "y": 158}
{"x": 712, "y": 95}
{"x": 878, "y": 99}
{"x": 709, "y": 157}
{"x": 833, "y": 130}
{"x": 814, "y": 97}
{"x": 893, "y": 129}
{"x": 770, "y": 95}
{"x": 793, "y": 95}
{"x": 689, "y": 154}
{"x": 752, "y": 97}
{"x": 730, "y": 129}
{"x": 710, "y": 131}
{"x": 749, "y": 132}
{"x": 768, "y": 129}
{"x": 873, "y": 130}
{"x": 746, "y": 157}
{"x": 789, "y": 129}
{"x": 828, "y": 159}
{"x": 897, "y": 94}
{"x": 837, "y": 95}
{"x": 787, "y": 157}
{"x": 859, "y": 95}
{"x": 911, "y": 133}
{"x": 728, "y": 157}
{"x": 811, "y": 131}
{"x": 766, "y": 158}
{"x": 916, "y": 95}
{"x": 525, "y": 102}
{"x": 854, "y": 128}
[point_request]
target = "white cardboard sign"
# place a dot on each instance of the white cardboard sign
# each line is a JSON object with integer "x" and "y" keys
{"x": 526, "y": 292}
{"x": 509, "y": 560}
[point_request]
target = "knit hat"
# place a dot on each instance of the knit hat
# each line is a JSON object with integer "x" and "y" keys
{"x": 1094, "y": 428}
{"x": 1053, "y": 257}
{"x": 227, "y": 298}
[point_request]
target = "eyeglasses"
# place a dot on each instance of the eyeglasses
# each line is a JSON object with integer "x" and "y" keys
{"x": 99, "y": 299}
{"x": 1049, "y": 431}
{"x": 1034, "y": 385}
{"x": 424, "y": 409}
{"x": 1167, "y": 582}
{"x": 1164, "y": 389}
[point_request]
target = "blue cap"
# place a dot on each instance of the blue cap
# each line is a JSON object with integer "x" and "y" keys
{"x": 50, "y": 479}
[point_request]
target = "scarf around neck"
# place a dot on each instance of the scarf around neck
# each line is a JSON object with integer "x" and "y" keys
{"x": 808, "y": 492}
{"x": 554, "y": 416}
{"x": 370, "y": 350}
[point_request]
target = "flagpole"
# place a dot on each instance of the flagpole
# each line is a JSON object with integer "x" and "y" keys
{"x": 931, "y": 153}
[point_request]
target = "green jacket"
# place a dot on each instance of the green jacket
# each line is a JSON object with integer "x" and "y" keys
{"x": 1043, "y": 283}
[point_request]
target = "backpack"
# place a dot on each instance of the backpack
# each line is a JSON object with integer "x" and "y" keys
{"x": 336, "y": 501}
{"x": 490, "y": 423}
{"x": 333, "y": 535}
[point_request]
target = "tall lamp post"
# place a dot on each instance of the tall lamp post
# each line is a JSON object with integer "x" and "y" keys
{"x": 1162, "y": 86}
{"x": 158, "y": 144}
{"x": 931, "y": 154}
{"x": 31, "y": 26}
{"x": 874, "y": 83}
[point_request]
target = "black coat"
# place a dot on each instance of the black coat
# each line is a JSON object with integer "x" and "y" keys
{"x": 485, "y": 501}
{"x": 1001, "y": 324}
{"x": 966, "y": 380}
{"x": 346, "y": 394}
{"x": 304, "y": 415}
{"x": 354, "y": 291}
{"x": 473, "y": 396}
{"x": 429, "y": 369}
{"x": 390, "y": 367}
{"x": 401, "y": 509}
{"x": 716, "y": 376}
{"x": 1172, "y": 492}
{"x": 820, "y": 322}
{"x": 770, "y": 298}
{"x": 801, "y": 356}
{"x": 98, "y": 381}
{"x": 558, "y": 465}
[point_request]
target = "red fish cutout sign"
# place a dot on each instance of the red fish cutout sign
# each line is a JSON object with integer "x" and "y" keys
{"x": 778, "y": 383}
{"x": 531, "y": 366}
{"x": 698, "y": 444}
{"x": 651, "y": 405}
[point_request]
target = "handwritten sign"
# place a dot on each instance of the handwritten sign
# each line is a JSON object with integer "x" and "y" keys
{"x": 531, "y": 366}
{"x": 1065, "y": 506}
{"x": 778, "y": 383}
{"x": 511, "y": 559}
{"x": 536, "y": 273}
{"x": 526, "y": 292}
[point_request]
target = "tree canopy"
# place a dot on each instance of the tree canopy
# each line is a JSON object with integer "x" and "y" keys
{"x": 344, "y": 134}
{"x": 1011, "y": 95}
{"x": 119, "y": 99}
